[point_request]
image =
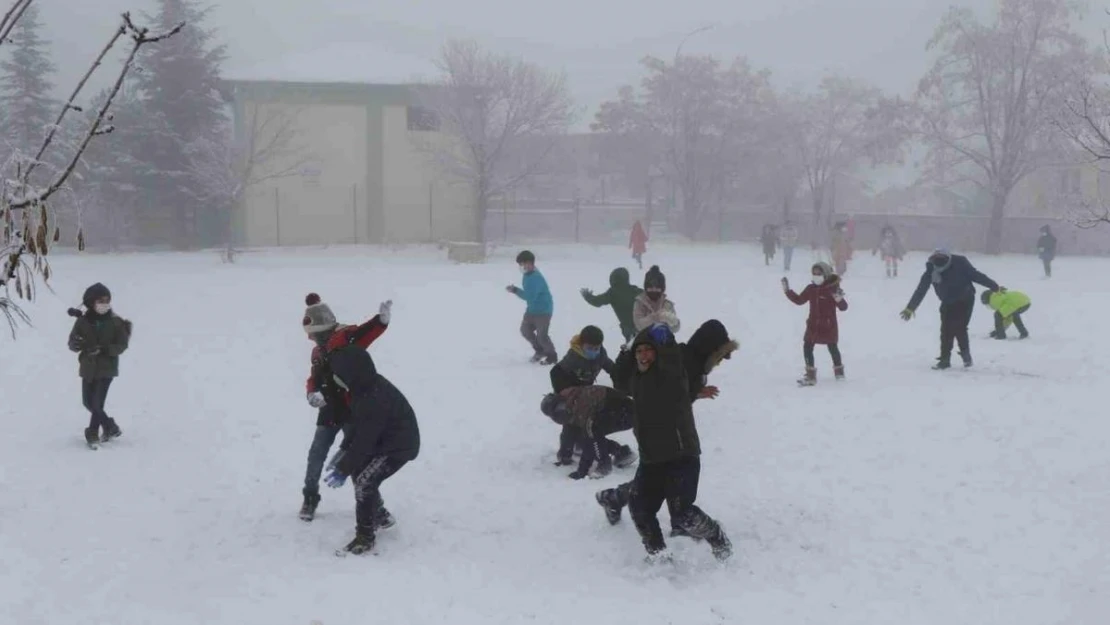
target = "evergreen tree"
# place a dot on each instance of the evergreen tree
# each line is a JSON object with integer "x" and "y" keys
{"x": 180, "y": 87}
{"x": 25, "y": 88}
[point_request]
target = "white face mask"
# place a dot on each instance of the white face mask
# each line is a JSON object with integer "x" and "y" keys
{"x": 102, "y": 309}
{"x": 818, "y": 280}
{"x": 523, "y": 269}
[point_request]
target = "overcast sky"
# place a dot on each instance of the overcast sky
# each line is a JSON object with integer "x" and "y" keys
{"x": 597, "y": 42}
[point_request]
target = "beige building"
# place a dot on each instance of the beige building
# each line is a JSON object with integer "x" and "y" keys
{"x": 355, "y": 167}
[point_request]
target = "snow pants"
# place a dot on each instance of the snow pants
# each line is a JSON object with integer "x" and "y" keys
{"x": 369, "y": 506}
{"x": 954, "y": 319}
{"x": 1047, "y": 267}
{"x": 675, "y": 482}
{"x": 94, "y": 394}
{"x": 534, "y": 329}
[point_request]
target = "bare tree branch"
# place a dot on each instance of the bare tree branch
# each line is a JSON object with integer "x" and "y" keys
{"x": 497, "y": 119}
{"x": 32, "y": 237}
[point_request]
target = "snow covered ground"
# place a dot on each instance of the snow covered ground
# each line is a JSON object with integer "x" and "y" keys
{"x": 902, "y": 496}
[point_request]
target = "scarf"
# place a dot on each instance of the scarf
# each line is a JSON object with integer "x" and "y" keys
{"x": 938, "y": 270}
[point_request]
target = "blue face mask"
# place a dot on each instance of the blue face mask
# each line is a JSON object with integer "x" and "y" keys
{"x": 591, "y": 352}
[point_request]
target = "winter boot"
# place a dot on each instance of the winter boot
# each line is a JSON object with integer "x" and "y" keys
{"x": 549, "y": 360}
{"x": 111, "y": 430}
{"x": 1024, "y": 335}
{"x": 361, "y": 544}
{"x": 308, "y": 508}
{"x": 536, "y": 358}
{"x": 810, "y": 377}
{"x": 839, "y": 372}
{"x": 383, "y": 520}
{"x": 625, "y": 457}
{"x": 607, "y": 499}
{"x": 720, "y": 544}
{"x": 91, "y": 438}
{"x": 967, "y": 359}
{"x": 944, "y": 362}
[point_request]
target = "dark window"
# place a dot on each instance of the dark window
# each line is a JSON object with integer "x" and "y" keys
{"x": 422, "y": 120}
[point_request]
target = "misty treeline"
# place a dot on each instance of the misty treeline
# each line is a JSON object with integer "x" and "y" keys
{"x": 1007, "y": 94}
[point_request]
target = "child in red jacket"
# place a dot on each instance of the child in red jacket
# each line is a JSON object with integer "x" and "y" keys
{"x": 824, "y": 297}
{"x": 321, "y": 391}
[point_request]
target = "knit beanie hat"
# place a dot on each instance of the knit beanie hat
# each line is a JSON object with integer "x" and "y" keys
{"x": 318, "y": 317}
{"x": 654, "y": 279}
{"x": 592, "y": 335}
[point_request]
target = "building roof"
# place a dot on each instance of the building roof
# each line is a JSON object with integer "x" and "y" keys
{"x": 345, "y": 62}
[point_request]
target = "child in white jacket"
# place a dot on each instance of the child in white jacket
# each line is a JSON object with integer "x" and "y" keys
{"x": 652, "y": 306}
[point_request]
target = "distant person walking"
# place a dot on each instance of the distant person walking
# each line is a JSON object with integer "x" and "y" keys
{"x": 637, "y": 242}
{"x": 788, "y": 238}
{"x": 1046, "y": 249}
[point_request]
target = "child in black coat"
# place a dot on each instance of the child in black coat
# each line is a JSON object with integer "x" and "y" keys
{"x": 98, "y": 338}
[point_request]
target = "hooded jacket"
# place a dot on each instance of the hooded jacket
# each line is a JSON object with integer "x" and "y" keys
{"x": 821, "y": 325}
{"x": 620, "y": 297}
{"x": 664, "y": 416}
{"x": 952, "y": 281}
{"x": 575, "y": 369}
{"x": 98, "y": 340}
{"x": 647, "y": 312}
{"x": 709, "y": 345}
{"x": 1008, "y": 303}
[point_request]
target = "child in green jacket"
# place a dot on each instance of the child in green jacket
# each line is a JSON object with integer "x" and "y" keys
{"x": 98, "y": 338}
{"x": 1008, "y": 308}
{"x": 620, "y": 296}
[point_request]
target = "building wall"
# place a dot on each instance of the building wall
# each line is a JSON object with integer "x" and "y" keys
{"x": 326, "y": 204}
{"x": 421, "y": 203}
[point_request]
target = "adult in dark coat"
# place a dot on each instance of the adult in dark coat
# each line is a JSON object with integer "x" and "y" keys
{"x": 384, "y": 437}
{"x": 670, "y": 449}
{"x": 953, "y": 278}
{"x": 1046, "y": 249}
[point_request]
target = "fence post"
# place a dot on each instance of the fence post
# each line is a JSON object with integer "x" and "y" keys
{"x": 277, "y": 215}
{"x": 354, "y": 209}
{"x": 577, "y": 220}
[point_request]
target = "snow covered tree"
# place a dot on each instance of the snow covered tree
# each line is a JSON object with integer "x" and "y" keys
{"x": 503, "y": 116}
{"x": 27, "y": 227}
{"x": 698, "y": 121}
{"x": 25, "y": 88}
{"x": 180, "y": 89}
{"x": 268, "y": 146}
{"x": 988, "y": 102}
{"x": 842, "y": 124}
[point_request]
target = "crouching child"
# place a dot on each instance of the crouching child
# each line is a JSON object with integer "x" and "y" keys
{"x": 1008, "y": 308}
{"x": 321, "y": 390}
{"x": 384, "y": 437}
{"x": 590, "y": 414}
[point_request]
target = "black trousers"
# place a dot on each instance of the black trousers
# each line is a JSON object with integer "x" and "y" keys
{"x": 369, "y": 506}
{"x": 954, "y": 319}
{"x": 1000, "y": 322}
{"x": 94, "y": 393}
{"x": 674, "y": 482}
{"x": 834, "y": 351}
{"x": 1047, "y": 267}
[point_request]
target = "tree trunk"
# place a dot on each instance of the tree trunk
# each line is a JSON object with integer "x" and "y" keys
{"x": 481, "y": 212}
{"x": 818, "y": 204}
{"x": 994, "y": 227}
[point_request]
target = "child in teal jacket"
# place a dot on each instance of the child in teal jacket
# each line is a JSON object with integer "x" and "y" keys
{"x": 537, "y": 314}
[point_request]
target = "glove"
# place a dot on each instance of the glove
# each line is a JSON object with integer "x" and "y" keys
{"x": 335, "y": 479}
{"x": 564, "y": 461}
{"x": 385, "y": 311}
{"x": 577, "y": 475}
{"x": 316, "y": 400}
{"x": 336, "y": 457}
{"x": 586, "y": 292}
{"x": 907, "y": 314}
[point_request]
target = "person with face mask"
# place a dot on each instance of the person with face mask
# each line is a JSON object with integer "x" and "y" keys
{"x": 953, "y": 278}
{"x": 652, "y": 306}
{"x": 581, "y": 365}
{"x": 825, "y": 298}
{"x": 98, "y": 338}
{"x": 323, "y": 394}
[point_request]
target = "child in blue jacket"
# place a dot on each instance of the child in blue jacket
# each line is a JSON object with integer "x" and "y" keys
{"x": 537, "y": 315}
